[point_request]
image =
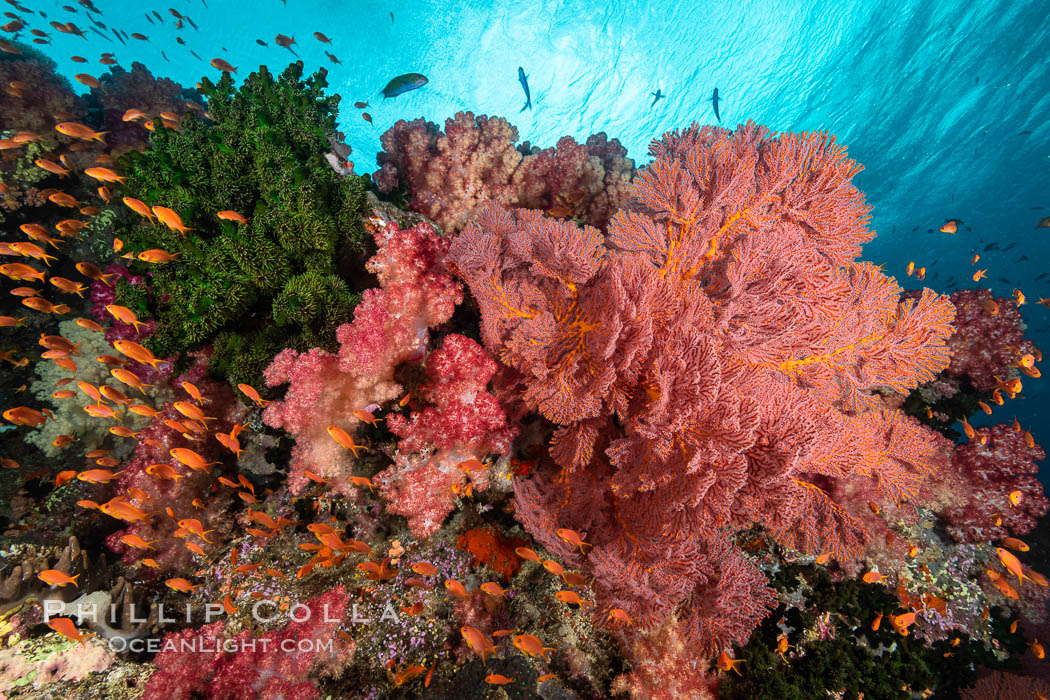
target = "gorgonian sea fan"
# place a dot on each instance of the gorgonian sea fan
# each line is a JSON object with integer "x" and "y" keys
{"x": 716, "y": 360}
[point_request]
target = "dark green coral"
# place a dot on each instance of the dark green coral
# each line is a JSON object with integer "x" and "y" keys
{"x": 251, "y": 289}
{"x": 850, "y": 658}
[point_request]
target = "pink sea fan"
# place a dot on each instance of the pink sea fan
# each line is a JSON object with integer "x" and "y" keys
{"x": 718, "y": 360}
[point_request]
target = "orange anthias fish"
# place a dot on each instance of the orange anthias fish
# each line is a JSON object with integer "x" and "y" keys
{"x": 181, "y": 584}
{"x": 222, "y": 65}
{"x": 477, "y": 640}
{"x": 951, "y": 227}
{"x": 137, "y": 352}
{"x": 726, "y": 663}
{"x": 424, "y": 568}
{"x": 171, "y": 219}
{"x": 65, "y": 627}
{"x": 497, "y": 679}
{"x": 97, "y": 476}
{"x": 137, "y": 542}
{"x": 456, "y": 588}
{"x": 230, "y": 215}
{"x": 157, "y": 256}
{"x": 54, "y": 577}
{"x": 572, "y": 537}
{"x": 125, "y": 315}
{"x": 1012, "y": 564}
{"x": 344, "y": 440}
{"x": 530, "y": 645}
{"x": 80, "y": 131}
{"x": 23, "y": 415}
{"x": 191, "y": 459}
{"x": 1014, "y": 543}
{"x": 873, "y": 577}
{"x": 193, "y": 525}
{"x": 92, "y": 272}
{"x": 493, "y": 589}
{"x": 572, "y": 597}
{"x": 139, "y": 207}
{"x": 105, "y": 175}
{"x": 252, "y": 394}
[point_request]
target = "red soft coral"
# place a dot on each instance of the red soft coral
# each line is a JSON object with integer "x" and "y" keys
{"x": 460, "y": 421}
{"x": 274, "y": 665}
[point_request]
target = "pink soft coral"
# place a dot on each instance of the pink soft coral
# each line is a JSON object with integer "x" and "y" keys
{"x": 390, "y": 327}
{"x": 461, "y": 421}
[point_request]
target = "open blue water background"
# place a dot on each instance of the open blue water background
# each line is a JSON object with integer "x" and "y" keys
{"x": 946, "y": 104}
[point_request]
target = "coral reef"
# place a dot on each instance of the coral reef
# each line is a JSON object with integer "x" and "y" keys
{"x": 390, "y": 327}
{"x": 450, "y": 175}
{"x": 716, "y": 360}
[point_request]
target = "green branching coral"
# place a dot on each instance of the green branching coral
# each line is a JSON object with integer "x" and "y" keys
{"x": 271, "y": 283}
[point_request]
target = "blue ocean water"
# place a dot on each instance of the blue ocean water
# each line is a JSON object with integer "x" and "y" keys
{"x": 944, "y": 103}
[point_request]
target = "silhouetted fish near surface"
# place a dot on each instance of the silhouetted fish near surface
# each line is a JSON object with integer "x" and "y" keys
{"x": 409, "y": 81}
{"x": 150, "y": 19}
{"x": 197, "y": 57}
{"x": 1040, "y": 276}
{"x": 157, "y": 15}
{"x": 260, "y": 42}
{"x": 332, "y": 58}
{"x": 657, "y": 96}
{"x": 524, "y": 80}
{"x": 165, "y": 57}
{"x": 915, "y": 229}
{"x": 192, "y": 24}
{"x": 1004, "y": 280}
{"x": 103, "y": 35}
{"x": 714, "y": 102}
{"x": 391, "y": 18}
{"x": 1010, "y": 247}
{"x": 179, "y": 40}
{"x": 1026, "y": 132}
{"x": 1021, "y": 259}
{"x": 991, "y": 246}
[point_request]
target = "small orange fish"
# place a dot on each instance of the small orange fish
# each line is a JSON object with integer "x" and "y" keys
{"x": 65, "y": 627}
{"x": 456, "y": 588}
{"x": 105, "y": 175}
{"x": 725, "y": 663}
{"x": 171, "y": 219}
{"x": 253, "y": 395}
{"x": 1014, "y": 543}
{"x": 64, "y": 476}
{"x": 876, "y": 622}
{"x": 1015, "y": 498}
{"x": 1037, "y": 649}
{"x": 1012, "y": 564}
{"x": 493, "y": 589}
{"x": 137, "y": 542}
{"x": 90, "y": 325}
{"x": 344, "y": 440}
{"x": 97, "y": 476}
{"x": 54, "y": 577}
{"x": 229, "y": 215}
{"x": 546, "y": 677}
{"x": 571, "y": 597}
{"x": 157, "y": 256}
{"x": 951, "y": 227}
{"x": 424, "y": 568}
{"x": 477, "y": 641}
{"x": 979, "y": 275}
{"x": 572, "y": 537}
{"x": 497, "y": 679}
{"x": 181, "y": 585}
{"x": 193, "y": 525}
{"x": 222, "y": 65}
{"x": 873, "y": 577}
{"x": 137, "y": 352}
